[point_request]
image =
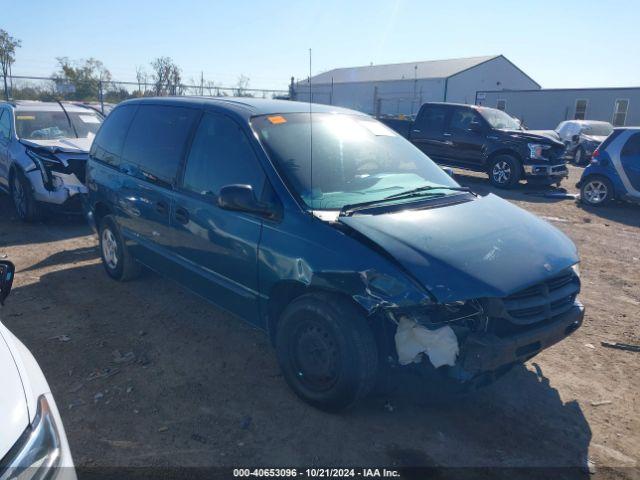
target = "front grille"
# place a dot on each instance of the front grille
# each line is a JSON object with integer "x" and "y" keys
{"x": 543, "y": 301}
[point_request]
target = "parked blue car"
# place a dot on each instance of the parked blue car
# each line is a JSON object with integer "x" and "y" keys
{"x": 614, "y": 172}
{"x": 332, "y": 233}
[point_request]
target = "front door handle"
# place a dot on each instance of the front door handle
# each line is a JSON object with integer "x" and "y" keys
{"x": 446, "y": 134}
{"x": 182, "y": 215}
{"x": 162, "y": 207}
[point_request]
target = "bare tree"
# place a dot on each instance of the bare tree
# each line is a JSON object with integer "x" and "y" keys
{"x": 241, "y": 86}
{"x": 166, "y": 77}
{"x": 8, "y": 46}
{"x": 142, "y": 78}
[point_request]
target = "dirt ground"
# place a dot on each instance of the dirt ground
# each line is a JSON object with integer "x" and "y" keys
{"x": 202, "y": 388}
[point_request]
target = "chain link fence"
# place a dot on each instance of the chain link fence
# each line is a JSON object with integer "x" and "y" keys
{"x": 105, "y": 94}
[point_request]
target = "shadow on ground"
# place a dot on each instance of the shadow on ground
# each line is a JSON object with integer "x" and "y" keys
{"x": 203, "y": 389}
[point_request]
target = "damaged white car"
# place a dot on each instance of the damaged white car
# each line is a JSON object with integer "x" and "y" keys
{"x": 33, "y": 443}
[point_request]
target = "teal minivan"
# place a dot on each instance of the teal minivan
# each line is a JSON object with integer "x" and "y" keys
{"x": 334, "y": 234}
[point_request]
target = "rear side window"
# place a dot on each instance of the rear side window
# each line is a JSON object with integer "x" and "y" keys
{"x": 632, "y": 147}
{"x": 5, "y": 124}
{"x": 221, "y": 155}
{"x": 157, "y": 139}
{"x": 432, "y": 120}
{"x": 107, "y": 146}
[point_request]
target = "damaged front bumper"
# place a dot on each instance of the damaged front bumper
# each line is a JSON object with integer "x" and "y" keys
{"x": 63, "y": 191}
{"x": 545, "y": 171}
{"x": 485, "y": 352}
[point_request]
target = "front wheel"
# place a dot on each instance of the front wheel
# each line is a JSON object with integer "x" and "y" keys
{"x": 116, "y": 258}
{"x": 327, "y": 351}
{"x": 596, "y": 191}
{"x": 24, "y": 202}
{"x": 504, "y": 171}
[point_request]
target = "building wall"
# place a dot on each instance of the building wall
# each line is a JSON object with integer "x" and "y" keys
{"x": 544, "y": 109}
{"x": 496, "y": 74}
{"x": 407, "y": 95}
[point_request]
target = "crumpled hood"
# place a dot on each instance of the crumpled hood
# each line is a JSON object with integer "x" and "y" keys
{"x": 552, "y": 134}
{"x": 530, "y": 135}
{"x": 14, "y": 415}
{"x": 486, "y": 247}
{"x": 67, "y": 145}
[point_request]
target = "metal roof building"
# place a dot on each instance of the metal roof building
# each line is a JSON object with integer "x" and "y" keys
{"x": 402, "y": 87}
{"x": 545, "y": 109}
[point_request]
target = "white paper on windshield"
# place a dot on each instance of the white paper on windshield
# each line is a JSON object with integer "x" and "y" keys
{"x": 89, "y": 119}
{"x": 377, "y": 128}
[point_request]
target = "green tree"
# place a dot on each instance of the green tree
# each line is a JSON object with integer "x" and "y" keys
{"x": 8, "y": 46}
{"x": 85, "y": 76}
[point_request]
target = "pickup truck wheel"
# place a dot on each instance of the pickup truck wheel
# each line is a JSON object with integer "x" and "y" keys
{"x": 116, "y": 259}
{"x": 327, "y": 351}
{"x": 579, "y": 156}
{"x": 24, "y": 203}
{"x": 504, "y": 171}
{"x": 596, "y": 191}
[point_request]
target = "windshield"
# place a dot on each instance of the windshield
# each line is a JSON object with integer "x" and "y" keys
{"x": 499, "y": 119}
{"x": 597, "y": 129}
{"x": 355, "y": 159}
{"x": 51, "y": 125}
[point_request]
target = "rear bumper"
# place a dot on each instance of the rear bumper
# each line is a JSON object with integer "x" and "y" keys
{"x": 483, "y": 352}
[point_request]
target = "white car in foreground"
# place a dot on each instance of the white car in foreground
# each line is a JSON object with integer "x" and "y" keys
{"x": 33, "y": 444}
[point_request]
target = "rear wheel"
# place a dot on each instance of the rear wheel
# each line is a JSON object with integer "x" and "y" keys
{"x": 504, "y": 171}
{"x": 116, "y": 258}
{"x": 327, "y": 351}
{"x": 24, "y": 202}
{"x": 579, "y": 157}
{"x": 596, "y": 191}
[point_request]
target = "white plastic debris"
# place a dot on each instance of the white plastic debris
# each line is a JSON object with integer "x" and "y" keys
{"x": 441, "y": 345}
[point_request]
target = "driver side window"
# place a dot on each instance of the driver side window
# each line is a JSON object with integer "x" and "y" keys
{"x": 462, "y": 118}
{"x": 221, "y": 155}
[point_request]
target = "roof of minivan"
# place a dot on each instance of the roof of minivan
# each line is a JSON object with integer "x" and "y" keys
{"x": 246, "y": 106}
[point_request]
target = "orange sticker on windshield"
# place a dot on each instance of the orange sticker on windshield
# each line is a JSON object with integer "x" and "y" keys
{"x": 277, "y": 119}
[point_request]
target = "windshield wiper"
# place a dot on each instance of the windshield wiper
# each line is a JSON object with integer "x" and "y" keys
{"x": 415, "y": 192}
{"x": 410, "y": 193}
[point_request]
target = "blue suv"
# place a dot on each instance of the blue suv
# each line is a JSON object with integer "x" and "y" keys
{"x": 614, "y": 172}
{"x": 335, "y": 235}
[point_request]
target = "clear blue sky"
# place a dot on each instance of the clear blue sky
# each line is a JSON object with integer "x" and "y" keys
{"x": 561, "y": 43}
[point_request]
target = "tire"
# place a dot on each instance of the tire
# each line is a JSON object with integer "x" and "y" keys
{"x": 327, "y": 351}
{"x": 579, "y": 157}
{"x": 22, "y": 197}
{"x": 116, "y": 258}
{"x": 596, "y": 191}
{"x": 504, "y": 171}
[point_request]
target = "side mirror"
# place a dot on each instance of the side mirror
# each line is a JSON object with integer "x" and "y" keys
{"x": 241, "y": 198}
{"x": 475, "y": 126}
{"x": 7, "y": 269}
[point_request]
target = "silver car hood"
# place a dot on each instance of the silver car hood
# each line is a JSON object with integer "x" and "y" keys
{"x": 67, "y": 145}
{"x": 14, "y": 414}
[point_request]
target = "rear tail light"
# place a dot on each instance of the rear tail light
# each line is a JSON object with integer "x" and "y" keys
{"x": 596, "y": 153}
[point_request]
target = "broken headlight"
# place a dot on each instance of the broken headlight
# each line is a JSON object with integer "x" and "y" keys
{"x": 46, "y": 164}
{"x": 536, "y": 151}
{"x": 576, "y": 269}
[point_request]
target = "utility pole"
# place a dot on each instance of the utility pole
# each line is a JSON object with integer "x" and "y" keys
{"x": 201, "y": 83}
